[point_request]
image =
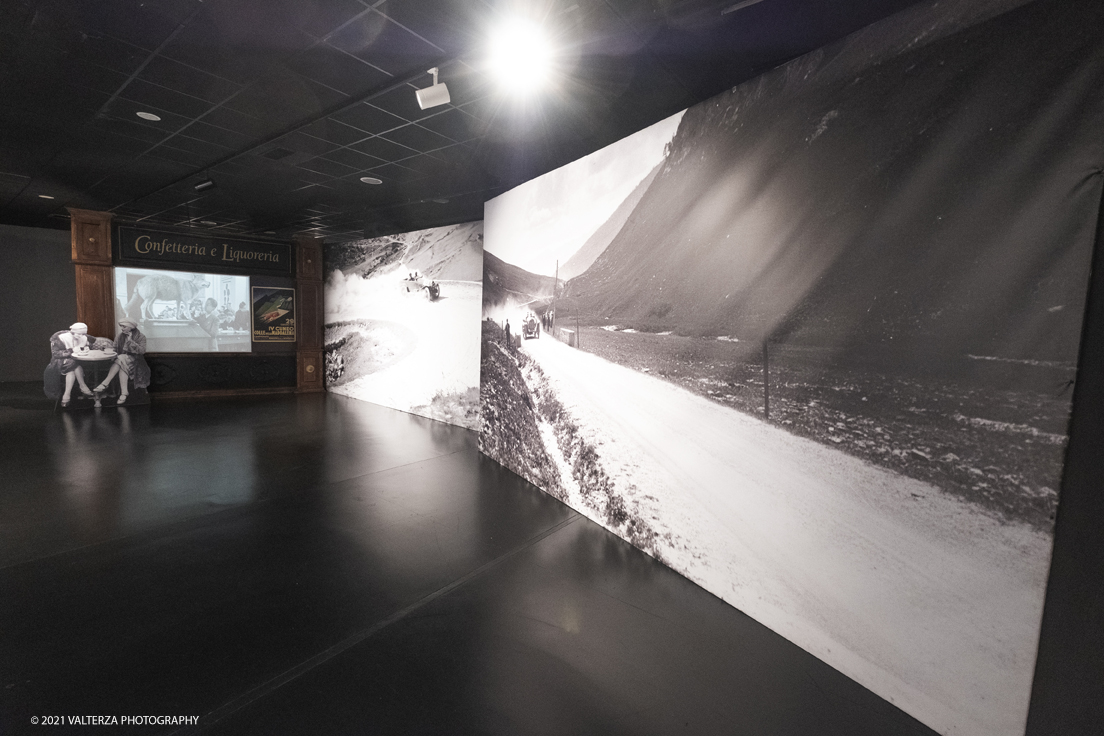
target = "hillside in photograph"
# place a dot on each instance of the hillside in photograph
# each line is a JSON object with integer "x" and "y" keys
{"x": 604, "y": 235}
{"x": 504, "y": 283}
{"x": 452, "y": 253}
{"x": 865, "y": 212}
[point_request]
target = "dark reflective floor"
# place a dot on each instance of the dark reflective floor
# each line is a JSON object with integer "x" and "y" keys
{"x": 318, "y": 565}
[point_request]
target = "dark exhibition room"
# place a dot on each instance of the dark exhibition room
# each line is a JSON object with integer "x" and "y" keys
{"x": 552, "y": 367}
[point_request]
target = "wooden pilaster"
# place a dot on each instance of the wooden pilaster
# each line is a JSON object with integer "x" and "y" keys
{"x": 308, "y": 252}
{"x": 90, "y": 234}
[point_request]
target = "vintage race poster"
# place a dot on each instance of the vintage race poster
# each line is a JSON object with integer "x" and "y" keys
{"x": 273, "y": 314}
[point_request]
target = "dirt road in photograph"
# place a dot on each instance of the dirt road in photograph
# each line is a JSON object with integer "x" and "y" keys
{"x": 920, "y": 597}
{"x": 445, "y": 355}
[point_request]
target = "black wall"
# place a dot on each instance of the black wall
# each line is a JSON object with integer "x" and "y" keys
{"x": 1069, "y": 674}
{"x": 38, "y": 297}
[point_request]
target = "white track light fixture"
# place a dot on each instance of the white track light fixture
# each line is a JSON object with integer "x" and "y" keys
{"x": 433, "y": 96}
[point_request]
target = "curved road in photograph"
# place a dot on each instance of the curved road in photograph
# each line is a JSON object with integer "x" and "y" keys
{"x": 444, "y": 356}
{"x": 920, "y": 597}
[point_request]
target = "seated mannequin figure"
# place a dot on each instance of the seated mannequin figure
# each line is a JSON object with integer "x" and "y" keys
{"x": 64, "y": 370}
{"x": 129, "y": 364}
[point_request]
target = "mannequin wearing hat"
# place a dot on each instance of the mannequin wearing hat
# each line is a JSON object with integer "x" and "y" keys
{"x": 129, "y": 364}
{"x": 64, "y": 370}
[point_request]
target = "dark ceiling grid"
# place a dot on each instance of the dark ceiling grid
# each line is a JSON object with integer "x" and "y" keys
{"x": 237, "y": 82}
{"x": 163, "y": 100}
{"x": 320, "y": 165}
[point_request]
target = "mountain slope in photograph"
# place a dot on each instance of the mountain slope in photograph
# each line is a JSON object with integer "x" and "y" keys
{"x": 504, "y": 282}
{"x": 444, "y": 253}
{"x": 921, "y": 206}
{"x": 604, "y": 235}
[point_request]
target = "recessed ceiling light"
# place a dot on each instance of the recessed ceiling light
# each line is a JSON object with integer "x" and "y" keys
{"x": 371, "y": 180}
{"x": 207, "y": 222}
{"x": 148, "y": 116}
{"x": 44, "y": 196}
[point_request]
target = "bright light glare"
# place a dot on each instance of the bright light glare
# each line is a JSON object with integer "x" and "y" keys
{"x": 521, "y": 57}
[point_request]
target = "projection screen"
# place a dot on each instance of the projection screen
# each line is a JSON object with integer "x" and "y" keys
{"x": 185, "y": 312}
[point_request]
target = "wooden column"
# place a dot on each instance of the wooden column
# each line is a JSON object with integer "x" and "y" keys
{"x": 308, "y": 264}
{"x": 90, "y": 233}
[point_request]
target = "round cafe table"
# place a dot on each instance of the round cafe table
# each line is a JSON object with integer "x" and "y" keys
{"x": 96, "y": 364}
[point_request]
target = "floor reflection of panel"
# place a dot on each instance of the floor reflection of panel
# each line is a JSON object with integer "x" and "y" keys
{"x": 310, "y": 559}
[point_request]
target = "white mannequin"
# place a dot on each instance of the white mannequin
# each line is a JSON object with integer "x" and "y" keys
{"x": 76, "y": 339}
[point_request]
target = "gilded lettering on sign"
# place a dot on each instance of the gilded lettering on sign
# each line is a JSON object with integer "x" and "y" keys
{"x": 145, "y": 244}
{"x": 230, "y": 253}
{"x": 186, "y": 249}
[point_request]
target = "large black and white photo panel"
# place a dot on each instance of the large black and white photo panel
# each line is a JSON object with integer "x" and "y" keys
{"x": 402, "y": 321}
{"x": 812, "y": 343}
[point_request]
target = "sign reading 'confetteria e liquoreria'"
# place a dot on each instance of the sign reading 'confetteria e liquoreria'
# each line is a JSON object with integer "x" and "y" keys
{"x": 152, "y": 247}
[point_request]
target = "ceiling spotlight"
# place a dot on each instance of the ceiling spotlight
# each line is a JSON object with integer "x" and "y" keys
{"x": 149, "y": 116}
{"x": 204, "y": 185}
{"x": 520, "y": 57}
{"x": 44, "y": 196}
{"x": 433, "y": 96}
{"x": 371, "y": 180}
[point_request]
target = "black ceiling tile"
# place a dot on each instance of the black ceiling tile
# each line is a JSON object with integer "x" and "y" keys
{"x": 310, "y": 178}
{"x": 354, "y": 159}
{"x": 485, "y": 109}
{"x": 323, "y": 97}
{"x": 283, "y": 99}
{"x": 187, "y": 80}
{"x": 201, "y": 149}
{"x": 228, "y": 139}
{"x": 241, "y": 40}
{"x": 458, "y": 154}
{"x": 176, "y": 156}
{"x": 238, "y": 122}
{"x": 322, "y": 17}
{"x": 110, "y": 53}
{"x": 331, "y": 130}
{"x": 138, "y": 181}
{"x": 402, "y": 102}
{"x": 368, "y": 118}
{"x": 383, "y": 149}
{"x": 162, "y": 98}
{"x": 418, "y": 138}
{"x": 385, "y": 44}
{"x": 358, "y": 35}
{"x": 329, "y": 168}
{"x": 464, "y": 83}
{"x": 428, "y": 166}
{"x": 302, "y": 142}
{"x": 394, "y": 172}
{"x": 454, "y": 124}
{"x": 132, "y": 129}
{"x": 455, "y": 26}
{"x": 338, "y": 70}
{"x": 132, "y": 21}
{"x": 93, "y": 76}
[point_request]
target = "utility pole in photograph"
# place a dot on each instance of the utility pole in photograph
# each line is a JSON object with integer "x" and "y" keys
{"x": 766, "y": 379}
{"x": 555, "y": 288}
